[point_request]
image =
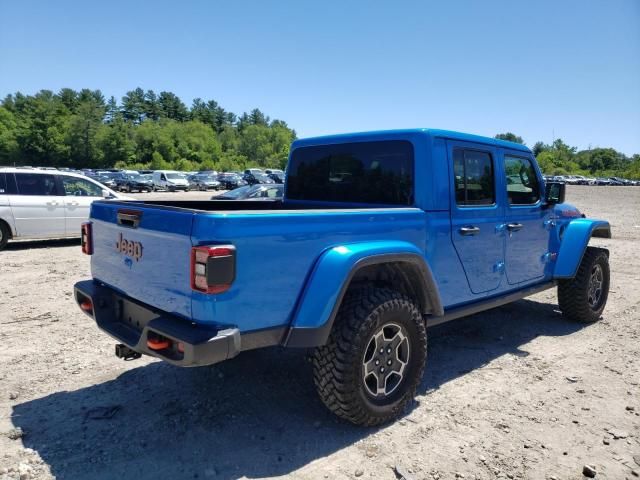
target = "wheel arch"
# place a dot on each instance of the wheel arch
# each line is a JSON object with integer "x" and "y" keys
{"x": 575, "y": 239}
{"x": 400, "y": 267}
{"x": 12, "y": 233}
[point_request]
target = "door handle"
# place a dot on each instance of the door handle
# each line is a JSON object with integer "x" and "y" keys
{"x": 74, "y": 204}
{"x": 514, "y": 227}
{"x": 466, "y": 231}
{"x": 52, "y": 203}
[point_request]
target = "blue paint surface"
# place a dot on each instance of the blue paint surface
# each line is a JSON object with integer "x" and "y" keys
{"x": 291, "y": 265}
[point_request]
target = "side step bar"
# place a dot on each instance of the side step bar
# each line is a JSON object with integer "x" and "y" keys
{"x": 483, "y": 305}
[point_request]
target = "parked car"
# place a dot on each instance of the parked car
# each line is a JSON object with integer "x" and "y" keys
{"x": 229, "y": 181}
{"x": 253, "y": 192}
{"x": 574, "y": 180}
{"x": 354, "y": 266}
{"x": 253, "y": 177}
{"x": 603, "y": 181}
{"x": 276, "y": 175}
{"x": 204, "y": 182}
{"x": 41, "y": 204}
{"x": 107, "y": 181}
{"x": 616, "y": 181}
{"x": 170, "y": 180}
{"x": 135, "y": 182}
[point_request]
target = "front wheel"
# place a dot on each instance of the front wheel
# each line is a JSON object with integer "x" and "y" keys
{"x": 584, "y": 297}
{"x": 370, "y": 368}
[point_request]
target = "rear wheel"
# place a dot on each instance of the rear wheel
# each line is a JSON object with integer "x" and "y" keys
{"x": 4, "y": 235}
{"x": 584, "y": 297}
{"x": 370, "y": 368}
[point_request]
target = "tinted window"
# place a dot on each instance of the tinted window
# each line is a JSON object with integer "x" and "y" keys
{"x": 367, "y": 172}
{"x": 473, "y": 172}
{"x": 522, "y": 182}
{"x": 80, "y": 187}
{"x": 36, "y": 184}
{"x": 3, "y": 183}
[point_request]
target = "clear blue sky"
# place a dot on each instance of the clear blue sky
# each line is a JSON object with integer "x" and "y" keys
{"x": 537, "y": 68}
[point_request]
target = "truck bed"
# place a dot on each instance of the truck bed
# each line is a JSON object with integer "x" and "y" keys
{"x": 277, "y": 243}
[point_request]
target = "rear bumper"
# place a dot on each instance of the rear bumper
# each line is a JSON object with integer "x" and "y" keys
{"x": 134, "y": 324}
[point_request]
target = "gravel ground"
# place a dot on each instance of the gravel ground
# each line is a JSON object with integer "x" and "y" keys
{"x": 517, "y": 392}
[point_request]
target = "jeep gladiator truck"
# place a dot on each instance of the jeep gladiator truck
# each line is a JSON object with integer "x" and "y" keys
{"x": 379, "y": 235}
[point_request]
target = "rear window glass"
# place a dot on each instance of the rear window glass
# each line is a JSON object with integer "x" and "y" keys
{"x": 36, "y": 184}
{"x": 364, "y": 172}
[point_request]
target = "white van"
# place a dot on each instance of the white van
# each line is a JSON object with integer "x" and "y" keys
{"x": 170, "y": 180}
{"x": 40, "y": 204}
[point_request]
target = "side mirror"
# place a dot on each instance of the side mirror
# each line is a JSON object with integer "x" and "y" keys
{"x": 107, "y": 194}
{"x": 554, "y": 193}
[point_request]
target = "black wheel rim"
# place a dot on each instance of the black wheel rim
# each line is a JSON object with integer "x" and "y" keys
{"x": 385, "y": 360}
{"x": 594, "y": 291}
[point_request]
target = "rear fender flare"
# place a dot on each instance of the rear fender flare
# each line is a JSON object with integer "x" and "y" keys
{"x": 331, "y": 276}
{"x": 575, "y": 239}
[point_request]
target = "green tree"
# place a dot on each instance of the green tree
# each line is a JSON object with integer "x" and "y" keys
{"x": 8, "y": 142}
{"x": 152, "y": 109}
{"x": 116, "y": 141}
{"x": 42, "y": 126}
{"x": 510, "y": 137}
{"x": 133, "y": 106}
{"x": 172, "y": 107}
{"x": 82, "y": 136}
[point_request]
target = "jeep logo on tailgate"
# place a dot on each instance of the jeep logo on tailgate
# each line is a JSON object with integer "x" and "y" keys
{"x": 129, "y": 248}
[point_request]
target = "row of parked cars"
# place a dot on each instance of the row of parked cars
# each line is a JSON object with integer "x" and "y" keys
{"x": 170, "y": 180}
{"x": 43, "y": 203}
{"x": 582, "y": 180}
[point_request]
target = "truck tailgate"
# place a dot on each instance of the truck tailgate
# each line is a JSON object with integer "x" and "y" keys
{"x": 144, "y": 253}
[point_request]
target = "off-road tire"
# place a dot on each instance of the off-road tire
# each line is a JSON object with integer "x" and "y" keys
{"x": 5, "y": 233}
{"x": 338, "y": 369}
{"x": 574, "y": 294}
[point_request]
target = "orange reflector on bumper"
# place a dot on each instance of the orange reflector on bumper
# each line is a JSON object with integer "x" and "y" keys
{"x": 86, "y": 306}
{"x": 158, "y": 344}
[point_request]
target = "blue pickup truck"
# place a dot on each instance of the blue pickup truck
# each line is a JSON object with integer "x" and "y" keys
{"x": 379, "y": 236}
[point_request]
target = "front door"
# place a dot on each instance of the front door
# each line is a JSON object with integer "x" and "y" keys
{"x": 526, "y": 227}
{"x": 476, "y": 215}
{"x": 38, "y": 209}
{"x": 79, "y": 194}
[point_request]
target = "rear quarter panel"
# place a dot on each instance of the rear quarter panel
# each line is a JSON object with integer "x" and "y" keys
{"x": 276, "y": 253}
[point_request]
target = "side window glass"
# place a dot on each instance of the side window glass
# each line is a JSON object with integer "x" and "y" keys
{"x": 80, "y": 187}
{"x": 522, "y": 182}
{"x": 163, "y": 178}
{"x": 473, "y": 177}
{"x": 3, "y": 183}
{"x": 36, "y": 184}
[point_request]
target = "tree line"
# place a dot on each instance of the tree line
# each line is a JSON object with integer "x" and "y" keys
{"x": 83, "y": 129}
{"x": 558, "y": 158}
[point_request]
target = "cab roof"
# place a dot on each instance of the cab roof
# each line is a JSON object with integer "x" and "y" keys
{"x": 403, "y": 134}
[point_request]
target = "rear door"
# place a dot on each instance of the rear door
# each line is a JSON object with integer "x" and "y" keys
{"x": 38, "y": 207}
{"x": 476, "y": 214}
{"x": 144, "y": 252}
{"x": 79, "y": 194}
{"x": 526, "y": 221}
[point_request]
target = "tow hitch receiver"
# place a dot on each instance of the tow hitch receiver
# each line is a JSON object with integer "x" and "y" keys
{"x": 124, "y": 352}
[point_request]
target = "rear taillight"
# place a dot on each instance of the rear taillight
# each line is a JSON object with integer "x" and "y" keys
{"x": 86, "y": 238}
{"x": 213, "y": 268}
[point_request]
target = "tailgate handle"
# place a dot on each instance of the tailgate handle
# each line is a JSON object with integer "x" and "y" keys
{"x": 129, "y": 218}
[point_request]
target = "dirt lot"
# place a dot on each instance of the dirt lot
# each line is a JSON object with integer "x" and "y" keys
{"x": 517, "y": 392}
